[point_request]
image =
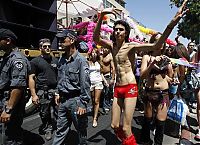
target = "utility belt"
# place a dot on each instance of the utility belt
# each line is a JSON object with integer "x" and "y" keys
{"x": 4, "y": 94}
{"x": 45, "y": 87}
{"x": 66, "y": 96}
{"x": 46, "y": 94}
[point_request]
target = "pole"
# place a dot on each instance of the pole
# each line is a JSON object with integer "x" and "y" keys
{"x": 66, "y": 13}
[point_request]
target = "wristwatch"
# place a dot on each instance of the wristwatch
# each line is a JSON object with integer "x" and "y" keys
{"x": 8, "y": 110}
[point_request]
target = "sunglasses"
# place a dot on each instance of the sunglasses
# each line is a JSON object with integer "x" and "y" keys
{"x": 45, "y": 46}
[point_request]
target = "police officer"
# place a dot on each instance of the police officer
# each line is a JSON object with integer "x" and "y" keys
{"x": 14, "y": 70}
{"x": 73, "y": 90}
{"x": 42, "y": 84}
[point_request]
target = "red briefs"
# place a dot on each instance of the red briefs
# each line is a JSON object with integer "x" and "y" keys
{"x": 127, "y": 91}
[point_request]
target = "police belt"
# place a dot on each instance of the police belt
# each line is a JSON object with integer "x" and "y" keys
{"x": 66, "y": 96}
{"x": 46, "y": 88}
{"x": 3, "y": 94}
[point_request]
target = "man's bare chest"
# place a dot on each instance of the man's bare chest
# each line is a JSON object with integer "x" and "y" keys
{"x": 121, "y": 56}
{"x": 106, "y": 60}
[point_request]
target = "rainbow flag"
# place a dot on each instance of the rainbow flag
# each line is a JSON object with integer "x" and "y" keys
{"x": 182, "y": 61}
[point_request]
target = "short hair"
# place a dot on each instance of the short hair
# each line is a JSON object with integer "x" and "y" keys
{"x": 127, "y": 30}
{"x": 44, "y": 40}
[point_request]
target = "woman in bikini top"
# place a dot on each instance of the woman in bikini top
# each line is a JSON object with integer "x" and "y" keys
{"x": 157, "y": 70}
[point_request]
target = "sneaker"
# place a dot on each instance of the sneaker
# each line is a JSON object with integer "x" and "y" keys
{"x": 154, "y": 132}
{"x": 141, "y": 112}
{"x": 106, "y": 111}
{"x": 194, "y": 105}
{"x": 48, "y": 135}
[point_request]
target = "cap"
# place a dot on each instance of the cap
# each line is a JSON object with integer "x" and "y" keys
{"x": 6, "y": 33}
{"x": 67, "y": 33}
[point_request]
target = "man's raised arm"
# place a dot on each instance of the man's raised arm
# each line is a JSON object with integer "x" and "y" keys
{"x": 96, "y": 35}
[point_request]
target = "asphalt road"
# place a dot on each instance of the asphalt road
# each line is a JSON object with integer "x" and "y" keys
{"x": 103, "y": 134}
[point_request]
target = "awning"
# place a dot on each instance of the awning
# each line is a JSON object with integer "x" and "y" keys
{"x": 75, "y": 8}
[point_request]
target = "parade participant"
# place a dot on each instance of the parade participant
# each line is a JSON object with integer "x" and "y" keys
{"x": 125, "y": 92}
{"x": 14, "y": 70}
{"x": 156, "y": 70}
{"x": 90, "y": 25}
{"x": 73, "y": 90}
{"x": 192, "y": 52}
{"x": 108, "y": 71}
{"x": 180, "y": 51}
{"x": 96, "y": 83}
{"x": 42, "y": 84}
{"x": 195, "y": 59}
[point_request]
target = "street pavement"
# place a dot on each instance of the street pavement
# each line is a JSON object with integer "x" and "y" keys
{"x": 102, "y": 134}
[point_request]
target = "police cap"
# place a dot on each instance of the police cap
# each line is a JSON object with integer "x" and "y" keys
{"x": 67, "y": 33}
{"x": 6, "y": 33}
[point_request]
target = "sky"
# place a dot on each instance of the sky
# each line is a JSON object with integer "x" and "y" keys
{"x": 154, "y": 14}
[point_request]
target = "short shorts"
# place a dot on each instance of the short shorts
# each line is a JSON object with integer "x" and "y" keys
{"x": 127, "y": 91}
{"x": 96, "y": 86}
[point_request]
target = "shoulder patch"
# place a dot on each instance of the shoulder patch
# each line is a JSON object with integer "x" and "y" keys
{"x": 19, "y": 64}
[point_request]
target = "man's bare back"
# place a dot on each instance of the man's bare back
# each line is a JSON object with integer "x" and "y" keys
{"x": 124, "y": 62}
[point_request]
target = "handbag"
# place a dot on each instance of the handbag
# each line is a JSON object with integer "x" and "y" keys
{"x": 178, "y": 111}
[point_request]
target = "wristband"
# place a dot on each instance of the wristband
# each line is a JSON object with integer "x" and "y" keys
{"x": 169, "y": 27}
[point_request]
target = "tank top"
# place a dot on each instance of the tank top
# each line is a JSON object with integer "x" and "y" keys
{"x": 95, "y": 74}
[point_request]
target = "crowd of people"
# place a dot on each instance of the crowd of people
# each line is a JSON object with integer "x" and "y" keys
{"x": 113, "y": 75}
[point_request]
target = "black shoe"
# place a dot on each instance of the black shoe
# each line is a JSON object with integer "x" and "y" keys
{"x": 148, "y": 143}
{"x": 42, "y": 129}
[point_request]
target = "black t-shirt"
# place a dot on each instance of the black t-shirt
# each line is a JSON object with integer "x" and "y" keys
{"x": 45, "y": 70}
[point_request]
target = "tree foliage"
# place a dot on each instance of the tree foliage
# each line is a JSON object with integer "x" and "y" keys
{"x": 189, "y": 27}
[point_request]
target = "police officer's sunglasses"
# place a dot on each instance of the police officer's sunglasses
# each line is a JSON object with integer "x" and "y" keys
{"x": 46, "y": 46}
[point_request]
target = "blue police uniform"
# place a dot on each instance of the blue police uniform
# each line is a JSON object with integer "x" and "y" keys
{"x": 74, "y": 90}
{"x": 13, "y": 74}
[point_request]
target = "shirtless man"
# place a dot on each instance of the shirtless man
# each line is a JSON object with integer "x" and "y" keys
{"x": 123, "y": 52}
{"x": 108, "y": 71}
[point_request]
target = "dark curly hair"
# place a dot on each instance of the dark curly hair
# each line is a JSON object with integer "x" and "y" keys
{"x": 127, "y": 29}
